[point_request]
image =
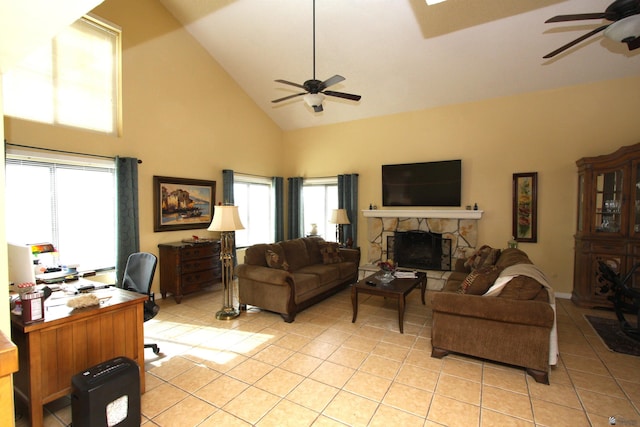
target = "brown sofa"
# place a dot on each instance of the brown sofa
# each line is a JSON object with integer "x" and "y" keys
{"x": 289, "y": 276}
{"x": 516, "y": 326}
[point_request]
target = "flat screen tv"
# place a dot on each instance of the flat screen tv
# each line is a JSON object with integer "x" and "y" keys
{"x": 422, "y": 184}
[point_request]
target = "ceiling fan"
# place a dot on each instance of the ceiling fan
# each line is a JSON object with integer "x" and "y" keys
{"x": 625, "y": 27}
{"x": 314, "y": 89}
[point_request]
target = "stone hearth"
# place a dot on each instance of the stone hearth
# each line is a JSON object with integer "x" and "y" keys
{"x": 461, "y": 226}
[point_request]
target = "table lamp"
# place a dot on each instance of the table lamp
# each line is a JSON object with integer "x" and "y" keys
{"x": 339, "y": 217}
{"x": 226, "y": 220}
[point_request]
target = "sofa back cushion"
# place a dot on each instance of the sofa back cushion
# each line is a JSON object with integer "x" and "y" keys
{"x": 295, "y": 252}
{"x": 255, "y": 255}
{"x": 521, "y": 288}
{"x": 512, "y": 256}
{"x": 313, "y": 249}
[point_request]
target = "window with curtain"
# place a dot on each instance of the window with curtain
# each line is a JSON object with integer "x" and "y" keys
{"x": 320, "y": 197}
{"x": 66, "y": 201}
{"x": 255, "y": 198}
{"x": 72, "y": 81}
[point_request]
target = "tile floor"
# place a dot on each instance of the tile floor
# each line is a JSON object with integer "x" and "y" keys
{"x": 323, "y": 370}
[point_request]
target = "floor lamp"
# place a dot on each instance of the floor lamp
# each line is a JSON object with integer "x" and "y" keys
{"x": 226, "y": 220}
{"x": 339, "y": 217}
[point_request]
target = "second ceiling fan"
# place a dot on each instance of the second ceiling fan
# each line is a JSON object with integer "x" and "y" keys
{"x": 316, "y": 89}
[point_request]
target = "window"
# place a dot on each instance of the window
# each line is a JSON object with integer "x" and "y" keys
{"x": 320, "y": 197}
{"x": 65, "y": 201}
{"x": 73, "y": 81}
{"x": 254, "y": 197}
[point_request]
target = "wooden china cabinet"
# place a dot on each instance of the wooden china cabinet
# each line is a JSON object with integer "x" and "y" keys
{"x": 608, "y": 222}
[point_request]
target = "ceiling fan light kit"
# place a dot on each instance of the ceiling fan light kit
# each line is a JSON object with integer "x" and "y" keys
{"x": 315, "y": 89}
{"x": 625, "y": 27}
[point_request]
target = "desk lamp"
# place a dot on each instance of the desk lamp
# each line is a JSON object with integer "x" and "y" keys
{"x": 226, "y": 220}
{"x": 339, "y": 217}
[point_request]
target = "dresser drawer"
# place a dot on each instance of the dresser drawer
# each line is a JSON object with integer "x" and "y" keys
{"x": 197, "y": 251}
{"x": 199, "y": 264}
{"x": 198, "y": 277}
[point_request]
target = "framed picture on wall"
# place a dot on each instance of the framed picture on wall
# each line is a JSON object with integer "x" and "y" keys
{"x": 182, "y": 203}
{"x": 525, "y": 207}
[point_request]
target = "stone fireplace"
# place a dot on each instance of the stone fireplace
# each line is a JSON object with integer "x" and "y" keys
{"x": 456, "y": 226}
{"x": 422, "y": 250}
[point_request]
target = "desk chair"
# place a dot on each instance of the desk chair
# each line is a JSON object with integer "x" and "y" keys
{"x": 138, "y": 276}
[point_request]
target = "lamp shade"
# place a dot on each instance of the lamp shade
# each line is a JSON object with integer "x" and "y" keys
{"x": 226, "y": 218}
{"x": 314, "y": 99}
{"x": 339, "y": 216}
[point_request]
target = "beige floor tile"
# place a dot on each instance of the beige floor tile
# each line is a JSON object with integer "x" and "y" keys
{"x": 490, "y": 418}
{"x": 368, "y": 385}
{"x": 273, "y": 355}
{"x": 387, "y": 416}
{"x": 188, "y": 412}
{"x": 332, "y": 374}
{"x": 511, "y": 380}
{"x": 391, "y": 351}
{"x": 423, "y": 359}
{"x": 361, "y": 343}
{"x": 606, "y": 405}
{"x": 324, "y": 421}
{"x": 319, "y": 349}
{"x": 550, "y": 414}
{"x": 313, "y": 394}
{"x": 301, "y": 364}
{"x": 279, "y": 382}
{"x": 507, "y": 402}
{"x": 252, "y": 404}
{"x": 584, "y": 364}
{"x": 453, "y": 413}
{"x": 351, "y": 409}
{"x": 195, "y": 378}
{"x": 381, "y": 366}
{"x": 333, "y": 336}
{"x": 223, "y": 418}
{"x": 348, "y": 357}
{"x": 221, "y": 390}
{"x": 160, "y": 399}
{"x": 409, "y": 399}
{"x": 555, "y": 393}
{"x": 293, "y": 342}
{"x": 288, "y": 414}
{"x": 459, "y": 389}
{"x": 250, "y": 371}
{"x": 167, "y": 369}
{"x": 415, "y": 376}
{"x": 462, "y": 368}
{"x": 603, "y": 384}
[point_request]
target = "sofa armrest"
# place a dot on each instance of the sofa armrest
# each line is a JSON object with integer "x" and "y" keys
{"x": 348, "y": 254}
{"x": 259, "y": 273}
{"x": 525, "y": 312}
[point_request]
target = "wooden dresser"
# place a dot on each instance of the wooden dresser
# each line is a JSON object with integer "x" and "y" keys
{"x": 188, "y": 267}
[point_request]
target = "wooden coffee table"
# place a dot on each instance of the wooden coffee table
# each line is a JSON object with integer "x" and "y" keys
{"x": 397, "y": 288}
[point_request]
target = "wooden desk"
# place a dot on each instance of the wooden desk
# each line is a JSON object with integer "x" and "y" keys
{"x": 71, "y": 340}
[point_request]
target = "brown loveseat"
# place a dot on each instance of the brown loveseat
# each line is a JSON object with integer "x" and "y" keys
{"x": 515, "y": 326}
{"x": 289, "y": 276}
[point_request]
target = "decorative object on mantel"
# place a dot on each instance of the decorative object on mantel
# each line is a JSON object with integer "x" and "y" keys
{"x": 525, "y": 207}
{"x": 226, "y": 219}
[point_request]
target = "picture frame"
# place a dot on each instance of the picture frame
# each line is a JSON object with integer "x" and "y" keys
{"x": 525, "y": 207}
{"x": 182, "y": 203}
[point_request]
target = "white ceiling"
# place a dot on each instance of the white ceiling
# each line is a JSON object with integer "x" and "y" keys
{"x": 400, "y": 55}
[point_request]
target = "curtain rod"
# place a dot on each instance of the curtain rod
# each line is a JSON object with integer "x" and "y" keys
{"x": 63, "y": 151}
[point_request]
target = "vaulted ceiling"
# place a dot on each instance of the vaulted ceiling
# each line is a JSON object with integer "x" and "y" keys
{"x": 400, "y": 55}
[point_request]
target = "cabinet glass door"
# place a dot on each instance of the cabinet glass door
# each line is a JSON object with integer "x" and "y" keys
{"x": 608, "y": 203}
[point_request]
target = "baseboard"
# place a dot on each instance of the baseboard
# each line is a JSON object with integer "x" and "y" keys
{"x": 562, "y": 295}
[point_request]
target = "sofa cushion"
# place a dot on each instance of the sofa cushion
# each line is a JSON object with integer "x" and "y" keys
{"x": 484, "y": 256}
{"x": 326, "y": 273}
{"x": 274, "y": 260}
{"x": 254, "y": 255}
{"x": 313, "y": 245}
{"x": 330, "y": 252}
{"x": 512, "y": 256}
{"x": 522, "y": 288}
{"x": 295, "y": 252}
{"x": 479, "y": 281}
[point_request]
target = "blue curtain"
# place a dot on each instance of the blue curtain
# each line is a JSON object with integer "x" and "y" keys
{"x": 295, "y": 208}
{"x": 348, "y": 199}
{"x": 278, "y": 188}
{"x": 127, "y": 217}
{"x": 227, "y": 187}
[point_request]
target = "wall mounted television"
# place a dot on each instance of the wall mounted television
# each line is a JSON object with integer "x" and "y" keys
{"x": 422, "y": 184}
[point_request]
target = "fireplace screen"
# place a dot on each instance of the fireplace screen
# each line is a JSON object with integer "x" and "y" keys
{"x": 420, "y": 249}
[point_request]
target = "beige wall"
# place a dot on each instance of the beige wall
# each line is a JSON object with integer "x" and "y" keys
{"x": 542, "y": 132}
{"x": 183, "y": 115}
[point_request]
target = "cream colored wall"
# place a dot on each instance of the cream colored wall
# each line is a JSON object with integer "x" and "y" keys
{"x": 183, "y": 115}
{"x": 542, "y": 132}
{"x": 4, "y": 307}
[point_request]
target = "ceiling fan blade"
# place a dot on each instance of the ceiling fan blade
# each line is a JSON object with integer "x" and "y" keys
{"x": 290, "y": 83}
{"x": 577, "y": 17}
{"x": 342, "y": 95}
{"x": 318, "y": 108}
{"x": 575, "y": 42}
{"x": 633, "y": 44}
{"x": 288, "y": 97}
{"x": 331, "y": 81}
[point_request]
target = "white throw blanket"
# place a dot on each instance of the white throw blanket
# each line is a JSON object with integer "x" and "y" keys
{"x": 535, "y": 273}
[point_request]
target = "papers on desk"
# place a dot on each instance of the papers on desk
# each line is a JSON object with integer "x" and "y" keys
{"x": 405, "y": 274}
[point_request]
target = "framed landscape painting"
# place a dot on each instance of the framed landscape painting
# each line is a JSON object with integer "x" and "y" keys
{"x": 525, "y": 207}
{"x": 182, "y": 203}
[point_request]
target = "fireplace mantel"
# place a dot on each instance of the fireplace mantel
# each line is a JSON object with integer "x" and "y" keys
{"x": 423, "y": 213}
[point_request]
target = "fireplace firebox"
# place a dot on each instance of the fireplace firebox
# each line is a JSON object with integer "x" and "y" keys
{"x": 420, "y": 249}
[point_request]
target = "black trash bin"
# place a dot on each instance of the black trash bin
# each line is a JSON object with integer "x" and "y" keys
{"x": 107, "y": 395}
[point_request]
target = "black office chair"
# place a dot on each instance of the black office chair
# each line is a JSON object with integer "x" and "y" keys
{"x": 138, "y": 277}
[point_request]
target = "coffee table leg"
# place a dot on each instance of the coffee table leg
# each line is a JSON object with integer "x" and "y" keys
{"x": 423, "y": 288}
{"x": 354, "y": 302}
{"x": 401, "y": 313}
